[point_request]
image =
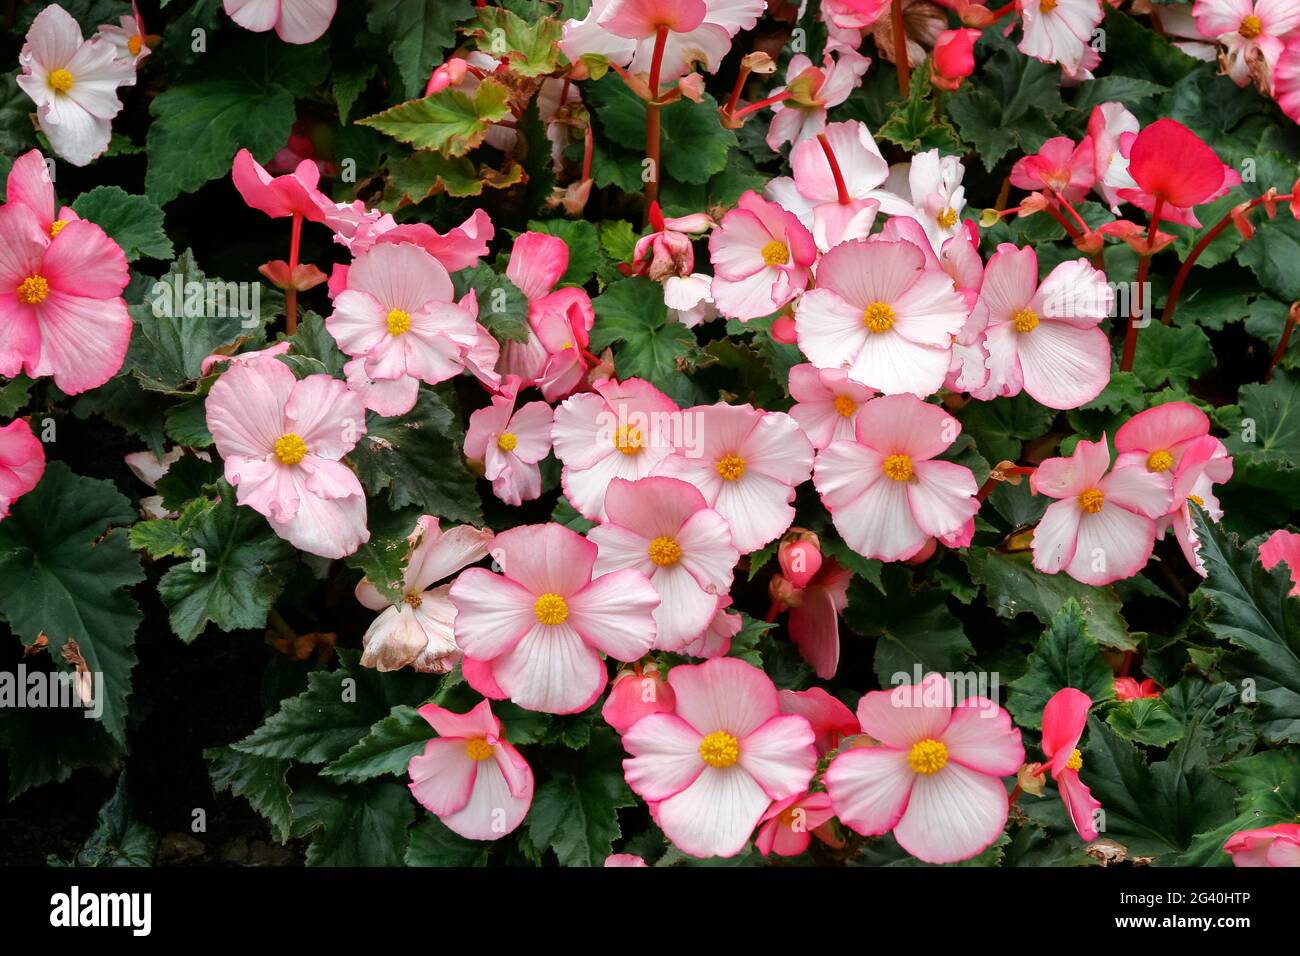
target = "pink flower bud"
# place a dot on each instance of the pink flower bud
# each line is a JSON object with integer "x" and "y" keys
{"x": 800, "y": 560}
{"x": 954, "y": 55}
{"x": 636, "y": 695}
{"x": 783, "y": 330}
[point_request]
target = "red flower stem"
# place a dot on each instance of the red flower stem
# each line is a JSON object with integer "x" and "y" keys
{"x": 752, "y": 107}
{"x": 1068, "y": 226}
{"x": 1066, "y": 205}
{"x": 1291, "y": 317}
{"x": 1144, "y": 267}
{"x": 1015, "y": 795}
{"x": 1202, "y": 244}
{"x": 840, "y": 187}
{"x": 1001, "y": 12}
{"x": 736, "y": 90}
{"x": 657, "y": 61}
{"x": 653, "y": 122}
{"x": 773, "y": 610}
{"x": 901, "y": 62}
{"x": 291, "y": 293}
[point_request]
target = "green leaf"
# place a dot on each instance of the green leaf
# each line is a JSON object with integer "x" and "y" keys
{"x": 530, "y": 49}
{"x": 1145, "y": 721}
{"x": 17, "y": 132}
{"x": 575, "y": 813}
{"x": 418, "y": 33}
{"x": 134, "y": 222}
{"x": 1209, "y": 737}
{"x": 583, "y": 242}
{"x": 383, "y": 558}
{"x": 416, "y": 177}
{"x": 1265, "y": 426}
{"x": 1274, "y": 256}
{"x": 432, "y": 844}
{"x": 448, "y": 121}
{"x": 418, "y": 459}
{"x": 502, "y": 308}
{"x": 14, "y": 394}
{"x": 1171, "y": 353}
{"x": 119, "y": 838}
{"x": 1013, "y": 587}
{"x": 64, "y": 574}
{"x": 348, "y": 82}
{"x": 259, "y": 780}
{"x": 1115, "y": 88}
{"x": 235, "y": 577}
{"x": 1066, "y": 656}
{"x": 387, "y": 749}
{"x": 1268, "y": 785}
{"x": 916, "y": 124}
{"x": 158, "y": 539}
{"x": 354, "y": 825}
{"x": 632, "y": 314}
{"x": 618, "y": 239}
{"x": 914, "y": 628}
{"x": 1002, "y": 425}
{"x": 1252, "y": 609}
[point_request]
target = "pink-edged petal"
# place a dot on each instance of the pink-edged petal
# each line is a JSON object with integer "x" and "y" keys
{"x": 780, "y": 755}
{"x": 492, "y": 612}
{"x": 952, "y": 815}
{"x": 551, "y": 669}
{"x": 724, "y": 694}
{"x": 715, "y": 815}
{"x": 665, "y": 756}
{"x": 980, "y": 737}
{"x": 869, "y": 788}
{"x": 615, "y": 614}
{"x": 443, "y": 776}
{"x": 906, "y": 715}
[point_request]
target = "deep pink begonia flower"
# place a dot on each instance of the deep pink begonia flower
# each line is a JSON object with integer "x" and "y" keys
{"x": 1278, "y": 845}
{"x": 1128, "y": 688}
{"x": 1282, "y": 546}
{"x": 293, "y": 194}
{"x": 954, "y": 57}
{"x": 815, "y": 617}
{"x": 22, "y": 462}
{"x": 1174, "y": 168}
{"x": 831, "y": 720}
{"x": 788, "y": 826}
{"x": 1067, "y": 168}
{"x": 1064, "y": 717}
{"x": 29, "y": 184}
{"x": 637, "y": 693}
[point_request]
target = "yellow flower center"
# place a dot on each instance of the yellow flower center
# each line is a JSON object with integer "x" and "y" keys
{"x": 1026, "y": 320}
{"x": 719, "y": 749}
{"x": 664, "y": 551}
{"x": 399, "y": 320}
{"x": 1251, "y": 27}
{"x": 845, "y": 406}
{"x": 948, "y": 218}
{"x": 775, "y": 253}
{"x": 1075, "y": 762}
{"x": 135, "y": 44}
{"x": 628, "y": 440}
{"x": 1092, "y": 500}
{"x": 60, "y": 81}
{"x": 33, "y": 290}
{"x": 551, "y": 609}
{"x": 413, "y": 598}
{"x": 878, "y": 317}
{"x": 1196, "y": 500}
{"x": 507, "y": 441}
{"x": 1046, "y": 6}
{"x": 1160, "y": 461}
{"x": 898, "y": 467}
{"x": 731, "y": 467}
{"x": 290, "y": 449}
{"x": 928, "y": 756}
{"x": 56, "y": 227}
{"x": 478, "y": 749}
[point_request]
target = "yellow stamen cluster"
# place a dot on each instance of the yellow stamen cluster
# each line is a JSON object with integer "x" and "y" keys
{"x": 628, "y": 440}
{"x": 478, "y": 749}
{"x": 507, "y": 441}
{"x": 878, "y": 317}
{"x": 1196, "y": 500}
{"x": 399, "y": 321}
{"x": 928, "y": 756}
{"x": 897, "y": 467}
{"x": 56, "y": 227}
{"x": 775, "y": 253}
{"x": 664, "y": 551}
{"x": 551, "y": 609}
{"x": 1026, "y": 320}
{"x": 290, "y": 449}
{"x": 1046, "y": 6}
{"x": 413, "y": 598}
{"x": 134, "y": 44}
{"x": 731, "y": 467}
{"x": 1075, "y": 762}
{"x": 1251, "y": 27}
{"x": 1092, "y": 500}
{"x": 1160, "y": 461}
{"x": 60, "y": 81}
{"x": 33, "y": 290}
{"x": 719, "y": 749}
{"x": 947, "y": 218}
{"x": 845, "y": 406}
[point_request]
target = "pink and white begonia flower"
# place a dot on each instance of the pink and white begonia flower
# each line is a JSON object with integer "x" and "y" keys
{"x": 1252, "y": 33}
{"x": 1157, "y": 438}
{"x": 716, "y": 639}
{"x": 211, "y": 362}
{"x": 748, "y": 464}
{"x": 419, "y": 630}
{"x": 637, "y": 693}
{"x": 1061, "y": 165}
{"x": 1102, "y": 527}
{"x": 1286, "y": 80}
{"x": 689, "y": 299}
{"x": 762, "y": 258}
{"x": 619, "y": 430}
{"x": 663, "y": 528}
{"x": 1060, "y": 31}
{"x": 1283, "y": 547}
{"x": 886, "y": 492}
{"x": 544, "y": 622}
{"x": 22, "y": 463}
{"x": 707, "y": 43}
{"x": 293, "y": 194}
{"x": 1202, "y": 465}
{"x": 73, "y": 83}
{"x": 282, "y": 441}
{"x": 934, "y": 780}
{"x": 1175, "y": 169}
{"x": 882, "y": 315}
{"x": 1278, "y": 845}
{"x": 1178, "y": 23}
{"x": 827, "y": 403}
{"x": 1044, "y": 339}
{"x": 1111, "y": 128}
{"x": 398, "y": 313}
{"x": 934, "y": 195}
{"x": 129, "y": 40}
{"x": 29, "y": 184}
{"x": 713, "y": 767}
{"x": 61, "y": 307}
{"x": 388, "y": 397}
{"x": 787, "y": 827}
{"x": 510, "y": 442}
{"x": 469, "y": 776}
{"x": 668, "y": 251}
{"x": 813, "y": 91}
{"x": 624, "y": 860}
{"x": 831, "y": 720}
{"x": 813, "y": 192}
{"x": 814, "y": 620}
{"x": 1064, "y": 717}
{"x": 294, "y": 21}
